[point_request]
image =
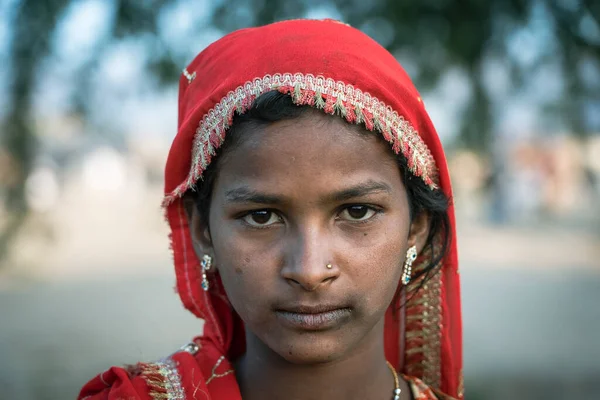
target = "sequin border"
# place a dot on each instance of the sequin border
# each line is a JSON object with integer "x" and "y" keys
{"x": 163, "y": 380}
{"x": 322, "y": 93}
{"x": 424, "y": 328}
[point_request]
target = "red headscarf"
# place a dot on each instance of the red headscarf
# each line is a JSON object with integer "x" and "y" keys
{"x": 338, "y": 69}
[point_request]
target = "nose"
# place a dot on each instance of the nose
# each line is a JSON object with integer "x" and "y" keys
{"x": 309, "y": 263}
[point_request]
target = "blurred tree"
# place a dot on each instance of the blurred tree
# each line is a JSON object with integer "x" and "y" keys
{"x": 33, "y": 27}
{"x": 436, "y": 35}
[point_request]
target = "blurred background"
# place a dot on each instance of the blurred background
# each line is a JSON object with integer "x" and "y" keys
{"x": 88, "y": 102}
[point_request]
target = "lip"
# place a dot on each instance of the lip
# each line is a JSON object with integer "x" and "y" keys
{"x": 313, "y": 317}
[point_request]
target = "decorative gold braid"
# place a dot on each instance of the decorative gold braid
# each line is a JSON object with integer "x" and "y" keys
{"x": 163, "y": 379}
{"x": 214, "y": 374}
{"x": 423, "y": 321}
{"x": 323, "y": 93}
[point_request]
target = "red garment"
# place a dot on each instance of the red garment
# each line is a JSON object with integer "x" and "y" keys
{"x": 337, "y": 69}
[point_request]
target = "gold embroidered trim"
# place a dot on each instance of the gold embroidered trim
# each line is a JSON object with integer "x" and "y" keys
{"x": 423, "y": 331}
{"x": 215, "y": 375}
{"x": 188, "y": 76}
{"x": 322, "y": 93}
{"x": 163, "y": 379}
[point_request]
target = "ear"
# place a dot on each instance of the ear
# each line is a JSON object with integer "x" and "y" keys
{"x": 419, "y": 230}
{"x": 198, "y": 228}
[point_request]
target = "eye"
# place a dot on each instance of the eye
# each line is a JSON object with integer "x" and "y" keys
{"x": 358, "y": 213}
{"x": 261, "y": 218}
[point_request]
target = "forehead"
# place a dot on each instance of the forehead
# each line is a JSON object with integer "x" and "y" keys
{"x": 307, "y": 154}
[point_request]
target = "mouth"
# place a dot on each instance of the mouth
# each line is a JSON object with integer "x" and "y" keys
{"x": 313, "y": 317}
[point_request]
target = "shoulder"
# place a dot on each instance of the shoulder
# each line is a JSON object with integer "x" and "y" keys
{"x": 165, "y": 378}
{"x": 421, "y": 391}
{"x": 115, "y": 383}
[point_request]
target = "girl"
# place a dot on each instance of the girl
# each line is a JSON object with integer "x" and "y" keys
{"x": 308, "y": 198}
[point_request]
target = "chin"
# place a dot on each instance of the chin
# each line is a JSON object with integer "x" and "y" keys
{"x": 309, "y": 349}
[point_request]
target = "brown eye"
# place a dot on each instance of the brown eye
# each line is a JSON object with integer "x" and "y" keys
{"x": 261, "y": 218}
{"x": 357, "y": 213}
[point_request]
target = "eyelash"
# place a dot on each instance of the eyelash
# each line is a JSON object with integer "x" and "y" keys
{"x": 249, "y": 213}
{"x": 376, "y": 211}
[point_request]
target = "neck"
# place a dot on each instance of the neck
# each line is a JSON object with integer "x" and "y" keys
{"x": 362, "y": 374}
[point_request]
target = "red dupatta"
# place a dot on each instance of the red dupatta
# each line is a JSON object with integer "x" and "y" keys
{"x": 337, "y": 69}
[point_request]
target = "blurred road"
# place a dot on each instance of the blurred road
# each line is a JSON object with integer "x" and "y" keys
{"x": 531, "y": 331}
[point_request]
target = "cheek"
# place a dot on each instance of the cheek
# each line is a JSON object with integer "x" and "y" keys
{"x": 246, "y": 270}
{"x": 381, "y": 264}
{"x": 375, "y": 260}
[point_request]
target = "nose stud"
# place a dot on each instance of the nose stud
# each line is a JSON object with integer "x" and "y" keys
{"x": 329, "y": 266}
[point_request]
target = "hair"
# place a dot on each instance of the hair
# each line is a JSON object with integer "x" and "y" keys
{"x": 274, "y": 106}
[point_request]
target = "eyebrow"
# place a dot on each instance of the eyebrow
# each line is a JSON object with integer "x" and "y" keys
{"x": 244, "y": 194}
{"x": 360, "y": 190}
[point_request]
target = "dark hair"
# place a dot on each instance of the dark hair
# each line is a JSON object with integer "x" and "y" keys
{"x": 274, "y": 106}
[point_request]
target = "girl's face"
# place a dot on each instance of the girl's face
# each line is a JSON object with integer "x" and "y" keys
{"x": 309, "y": 227}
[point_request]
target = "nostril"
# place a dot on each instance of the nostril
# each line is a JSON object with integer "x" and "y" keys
{"x": 293, "y": 281}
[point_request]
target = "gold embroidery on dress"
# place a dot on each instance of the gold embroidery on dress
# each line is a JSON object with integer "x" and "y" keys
{"x": 163, "y": 379}
{"x": 423, "y": 326}
{"x": 214, "y": 374}
{"x": 188, "y": 76}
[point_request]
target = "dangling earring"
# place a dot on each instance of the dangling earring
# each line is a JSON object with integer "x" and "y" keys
{"x": 206, "y": 263}
{"x": 411, "y": 256}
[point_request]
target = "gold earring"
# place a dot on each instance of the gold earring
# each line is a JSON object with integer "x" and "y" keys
{"x": 411, "y": 256}
{"x": 206, "y": 263}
